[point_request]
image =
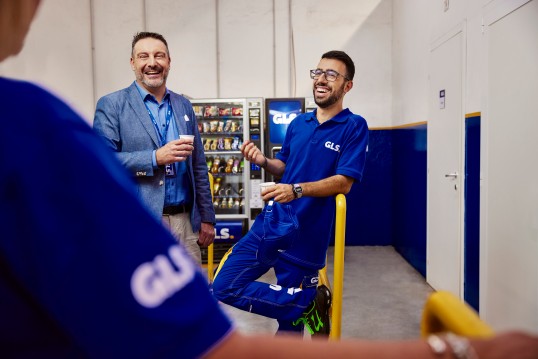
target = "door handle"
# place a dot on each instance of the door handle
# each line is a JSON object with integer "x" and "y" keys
{"x": 453, "y": 175}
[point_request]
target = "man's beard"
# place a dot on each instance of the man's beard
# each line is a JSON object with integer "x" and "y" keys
{"x": 154, "y": 83}
{"x": 331, "y": 100}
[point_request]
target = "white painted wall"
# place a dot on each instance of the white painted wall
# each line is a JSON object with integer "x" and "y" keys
{"x": 410, "y": 54}
{"x": 235, "y": 48}
{"x": 416, "y": 25}
{"x": 219, "y": 48}
{"x": 58, "y": 53}
{"x": 510, "y": 185}
{"x": 361, "y": 28}
{"x": 113, "y": 25}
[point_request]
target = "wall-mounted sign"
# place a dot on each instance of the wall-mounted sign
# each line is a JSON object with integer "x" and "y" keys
{"x": 442, "y": 99}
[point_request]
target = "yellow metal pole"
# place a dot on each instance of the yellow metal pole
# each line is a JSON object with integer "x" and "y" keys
{"x": 338, "y": 281}
{"x": 444, "y": 311}
{"x": 210, "y": 248}
{"x": 210, "y": 263}
{"x": 324, "y": 278}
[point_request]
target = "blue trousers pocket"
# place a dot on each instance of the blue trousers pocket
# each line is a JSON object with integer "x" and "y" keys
{"x": 280, "y": 229}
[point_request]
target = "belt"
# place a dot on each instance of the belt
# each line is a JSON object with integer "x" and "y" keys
{"x": 181, "y": 208}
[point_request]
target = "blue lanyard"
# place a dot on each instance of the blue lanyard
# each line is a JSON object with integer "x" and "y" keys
{"x": 162, "y": 136}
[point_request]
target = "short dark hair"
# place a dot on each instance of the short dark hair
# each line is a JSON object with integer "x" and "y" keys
{"x": 342, "y": 56}
{"x": 144, "y": 35}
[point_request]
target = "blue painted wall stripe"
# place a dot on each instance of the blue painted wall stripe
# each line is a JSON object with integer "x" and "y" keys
{"x": 389, "y": 206}
{"x": 472, "y": 212}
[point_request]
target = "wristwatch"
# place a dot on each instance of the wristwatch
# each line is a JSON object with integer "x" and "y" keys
{"x": 297, "y": 190}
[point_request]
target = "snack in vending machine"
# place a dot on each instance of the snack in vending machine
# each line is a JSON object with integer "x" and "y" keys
{"x": 228, "y": 143}
{"x": 213, "y": 145}
{"x": 234, "y": 126}
{"x": 200, "y": 127}
{"x": 220, "y": 144}
{"x": 225, "y": 111}
{"x": 206, "y": 127}
{"x": 215, "y": 167}
{"x": 220, "y": 127}
{"x": 213, "y": 126}
{"x": 235, "y": 143}
{"x": 216, "y": 203}
{"x": 198, "y": 110}
{"x": 209, "y": 162}
{"x": 235, "y": 167}
{"x": 228, "y": 126}
{"x": 237, "y": 111}
{"x": 211, "y": 111}
{"x": 230, "y": 202}
{"x": 207, "y": 144}
{"x": 216, "y": 186}
{"x": 229, "y": 165}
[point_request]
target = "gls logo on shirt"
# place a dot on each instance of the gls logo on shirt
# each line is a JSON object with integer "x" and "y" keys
{"x": 154, "y": 282}
{"x": 330, "y": 145}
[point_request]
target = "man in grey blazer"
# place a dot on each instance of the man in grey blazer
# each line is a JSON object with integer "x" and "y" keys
{"x": 143, "y": 124}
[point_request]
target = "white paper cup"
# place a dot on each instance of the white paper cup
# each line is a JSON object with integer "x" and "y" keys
{"x": 265, "y": 185}
{"x": 190, "y": 138}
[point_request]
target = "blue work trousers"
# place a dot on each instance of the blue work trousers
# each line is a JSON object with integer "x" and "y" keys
{"x": 235, "y": 284}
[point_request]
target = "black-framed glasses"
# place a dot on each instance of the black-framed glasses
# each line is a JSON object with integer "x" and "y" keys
{"x": 330, "y": 75}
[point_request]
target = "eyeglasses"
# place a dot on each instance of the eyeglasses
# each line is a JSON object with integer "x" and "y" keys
{"x": 330, "y": 75}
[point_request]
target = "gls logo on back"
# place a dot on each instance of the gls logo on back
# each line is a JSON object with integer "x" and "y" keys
{"x": 154, "y": 282}
{"x": 330, "y": 145}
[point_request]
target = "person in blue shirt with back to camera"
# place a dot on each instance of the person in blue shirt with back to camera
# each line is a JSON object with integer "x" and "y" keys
{"x": 322, "y": 155}
{"x": 78, "y": 276}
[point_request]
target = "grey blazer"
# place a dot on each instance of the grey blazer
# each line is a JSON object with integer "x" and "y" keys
{"x": 123, "y": 121}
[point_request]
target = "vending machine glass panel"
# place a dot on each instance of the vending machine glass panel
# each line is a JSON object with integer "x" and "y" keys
{"x": 279, "y": 114}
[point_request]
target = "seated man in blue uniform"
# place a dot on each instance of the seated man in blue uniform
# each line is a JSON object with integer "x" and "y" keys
{"x": 323, "y": 154}
{"x": 78, "y": 277}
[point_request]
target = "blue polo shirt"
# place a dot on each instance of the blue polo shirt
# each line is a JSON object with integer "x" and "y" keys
{"x": 311, "y": 152}
{"x": 85, "y": 270}
{"x": 177, "y": 188}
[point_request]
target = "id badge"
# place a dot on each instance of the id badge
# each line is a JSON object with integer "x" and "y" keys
{"x": 170, "y": 170}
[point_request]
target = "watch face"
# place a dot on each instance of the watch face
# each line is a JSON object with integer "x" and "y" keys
{"x": 297, "y": 190}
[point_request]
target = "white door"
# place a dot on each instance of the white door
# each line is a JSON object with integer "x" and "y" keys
{"x": 445, "y": 165}
{"x": 509, "y": 216}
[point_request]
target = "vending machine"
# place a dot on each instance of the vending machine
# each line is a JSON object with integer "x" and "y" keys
{"x": 279, "y": 114}
{"x": 224, "y": 124}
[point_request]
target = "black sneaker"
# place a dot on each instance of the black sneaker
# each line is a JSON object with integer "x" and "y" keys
{"x": 316, "y": 318}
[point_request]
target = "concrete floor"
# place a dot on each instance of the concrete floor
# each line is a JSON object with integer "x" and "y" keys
{"x": 383, "y": 297}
